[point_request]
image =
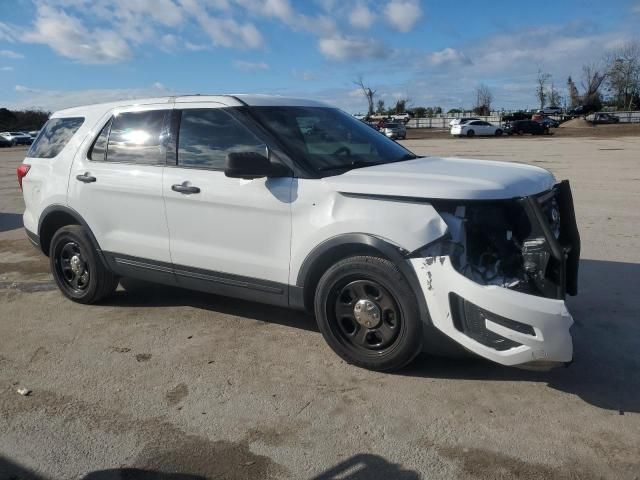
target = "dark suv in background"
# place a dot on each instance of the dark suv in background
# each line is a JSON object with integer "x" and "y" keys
{"x": 520, "y": 127}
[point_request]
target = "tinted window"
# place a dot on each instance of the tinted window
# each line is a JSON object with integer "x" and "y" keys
{"x": 99, "y": 149}
{"x": 475, "y": 123}
{"x": 138, "y": 137}
{"x": 54, "y": 136}
{"x": 328, "y": 139}
{"x": 207, "y": 136}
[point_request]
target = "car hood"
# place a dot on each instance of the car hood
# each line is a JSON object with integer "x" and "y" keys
{"x": 445, "y": 178}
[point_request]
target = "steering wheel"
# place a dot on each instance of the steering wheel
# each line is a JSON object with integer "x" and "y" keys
{"x": 342, "y": 150}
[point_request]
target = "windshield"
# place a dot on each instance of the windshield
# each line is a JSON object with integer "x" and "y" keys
{"x": 329, "y": 140}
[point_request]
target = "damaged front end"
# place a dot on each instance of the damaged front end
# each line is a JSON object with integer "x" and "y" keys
{"x": 496, "y": 282}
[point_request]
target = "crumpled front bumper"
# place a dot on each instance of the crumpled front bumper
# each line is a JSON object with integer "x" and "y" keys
{"x": 541, "y": 337}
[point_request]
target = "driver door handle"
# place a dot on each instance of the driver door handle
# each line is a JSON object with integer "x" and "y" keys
{"x": 86, "y": 178}
{"x": 182, "y": 188}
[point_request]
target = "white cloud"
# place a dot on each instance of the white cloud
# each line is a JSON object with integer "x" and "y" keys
{"x": 361, "y": 16}
{"x": 67, "y": 36}
{"x": 304, "y": 75}
{"x": 343, "y": 48}
{"x": 250, "y": 66}
{"x": 6, "y": 69}
{"x": 448, "y": 56}
{"x": 10, "y": 54}
{"x": 403, "y": 14}
{"x": 52, "y": 100}
{"x": 23, "y": 89}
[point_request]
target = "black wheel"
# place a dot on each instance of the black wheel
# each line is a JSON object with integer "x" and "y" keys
{"x": 368, "y": 313}
{"x": 470, "y": 133}
{"x": 498, "y": 133}
{"x": 520, "y": 132}
{"x": 546, "y": 131}
{"x": 76, "y": 268}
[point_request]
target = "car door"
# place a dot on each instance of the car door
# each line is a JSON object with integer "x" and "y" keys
{"x": 227, "y": 235}
{"x": 116, "y": 184}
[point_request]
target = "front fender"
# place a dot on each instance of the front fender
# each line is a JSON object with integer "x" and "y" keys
{"x": 319, "y": 216}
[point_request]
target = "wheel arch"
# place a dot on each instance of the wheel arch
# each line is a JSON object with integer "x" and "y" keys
{"x": 342, "y": 246}
{"x": 55, "y": 217}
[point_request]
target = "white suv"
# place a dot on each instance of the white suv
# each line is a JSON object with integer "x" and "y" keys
{"x": 294, "y": 203}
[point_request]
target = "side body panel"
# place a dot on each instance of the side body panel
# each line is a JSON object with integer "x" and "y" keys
{"x": 232, "y": 226}
{"x": 47, "y": 180}
{"x": 124, "y": 206}
{"x": 320, "y": 213}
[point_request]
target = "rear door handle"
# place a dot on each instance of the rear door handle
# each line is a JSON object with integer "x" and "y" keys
{"x": 184, "y": 188}
{"x": 86, "y": 178}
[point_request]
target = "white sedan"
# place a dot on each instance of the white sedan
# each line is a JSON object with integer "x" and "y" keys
{"x": 476, "y": 127}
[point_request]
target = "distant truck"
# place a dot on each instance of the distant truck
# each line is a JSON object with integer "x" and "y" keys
{"x": 602, "y": 118}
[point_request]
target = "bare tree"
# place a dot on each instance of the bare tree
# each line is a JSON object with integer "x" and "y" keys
{"x": 574, "y": 95}
{"x": 484, "y": 97}
{"x": 623, "y": 73}
{"x": 553, "y": 95}
{"x": 541, "y": 90}
{"x": 401, "y": 105}
{"x": 367, "y": 92}
{"x": 592, "y": 79}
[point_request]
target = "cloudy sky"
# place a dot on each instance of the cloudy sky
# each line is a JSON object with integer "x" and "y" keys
{"x": 61, "y": 53}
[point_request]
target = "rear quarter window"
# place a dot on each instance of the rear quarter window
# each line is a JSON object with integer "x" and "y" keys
{"x": 54, "y": 136}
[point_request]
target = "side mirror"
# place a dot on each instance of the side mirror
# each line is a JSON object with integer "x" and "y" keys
{"x": 249, "y": 165}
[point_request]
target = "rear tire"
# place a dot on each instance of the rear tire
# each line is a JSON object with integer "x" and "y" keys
{"x": 470, "y": 133}
{"x": 76, "y": 267}
{"x": 368, "y": 314}
{"x": 498, "y": 133}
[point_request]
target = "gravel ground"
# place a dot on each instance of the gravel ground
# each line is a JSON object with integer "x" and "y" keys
{"x": 161, "y": 383}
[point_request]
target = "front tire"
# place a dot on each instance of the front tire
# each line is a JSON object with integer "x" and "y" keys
{"x": 470, "y": 133}
{"x": 77, "y": 269}
{"x": 368, "y": 314}
{"x": 498, "y": 133}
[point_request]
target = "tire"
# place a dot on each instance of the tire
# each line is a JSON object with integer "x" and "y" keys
{"x": 470, "y": 133}
{"x": 77, "y": 270}
{"x": 546, "y": 131}
{"x": 384, "y": 343}
{"x": 520, "y": 132}
{"x": 498, "y": 133}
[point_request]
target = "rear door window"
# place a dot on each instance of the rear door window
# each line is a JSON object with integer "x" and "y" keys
{"x": 54, "y": 136}
{"x": 138, "y": 137}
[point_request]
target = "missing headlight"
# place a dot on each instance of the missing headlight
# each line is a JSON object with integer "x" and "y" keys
{"x": 495, "y": 243}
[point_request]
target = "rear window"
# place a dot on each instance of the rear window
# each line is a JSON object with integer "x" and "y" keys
{"x": 54, "y": 136}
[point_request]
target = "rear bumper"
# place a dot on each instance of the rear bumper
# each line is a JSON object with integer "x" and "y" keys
{"x": 536, "y": 330}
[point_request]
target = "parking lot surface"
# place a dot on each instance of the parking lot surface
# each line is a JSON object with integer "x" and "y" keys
{"x": 164, "y": 383}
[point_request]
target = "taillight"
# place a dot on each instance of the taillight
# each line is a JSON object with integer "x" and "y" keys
{"x": 22, "y": 171}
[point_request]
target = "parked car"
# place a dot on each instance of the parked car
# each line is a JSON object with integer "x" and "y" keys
{"x": 402, "y": 117}
{"x": 458, "y": 121}
{"x": 5, "y": 142}
{"x": 551, "y": 111}
{"x": 520, "y": 127}
{"x": 33, "y": 134}
{"x": 316, "y": 212}
{"x": 476, "y": 127}
{"x": 549, "y": 122}
{"x": 517, "y": 116}
{"x": 602, "y": 118}
{"x": 19, "y": 138}
{"x": 395, "y": 130}
{"x": 583, "y": 110}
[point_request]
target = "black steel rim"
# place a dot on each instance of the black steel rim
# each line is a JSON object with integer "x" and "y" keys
{"x": 377, "y": 337}
{"x": 72, "y": 268}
